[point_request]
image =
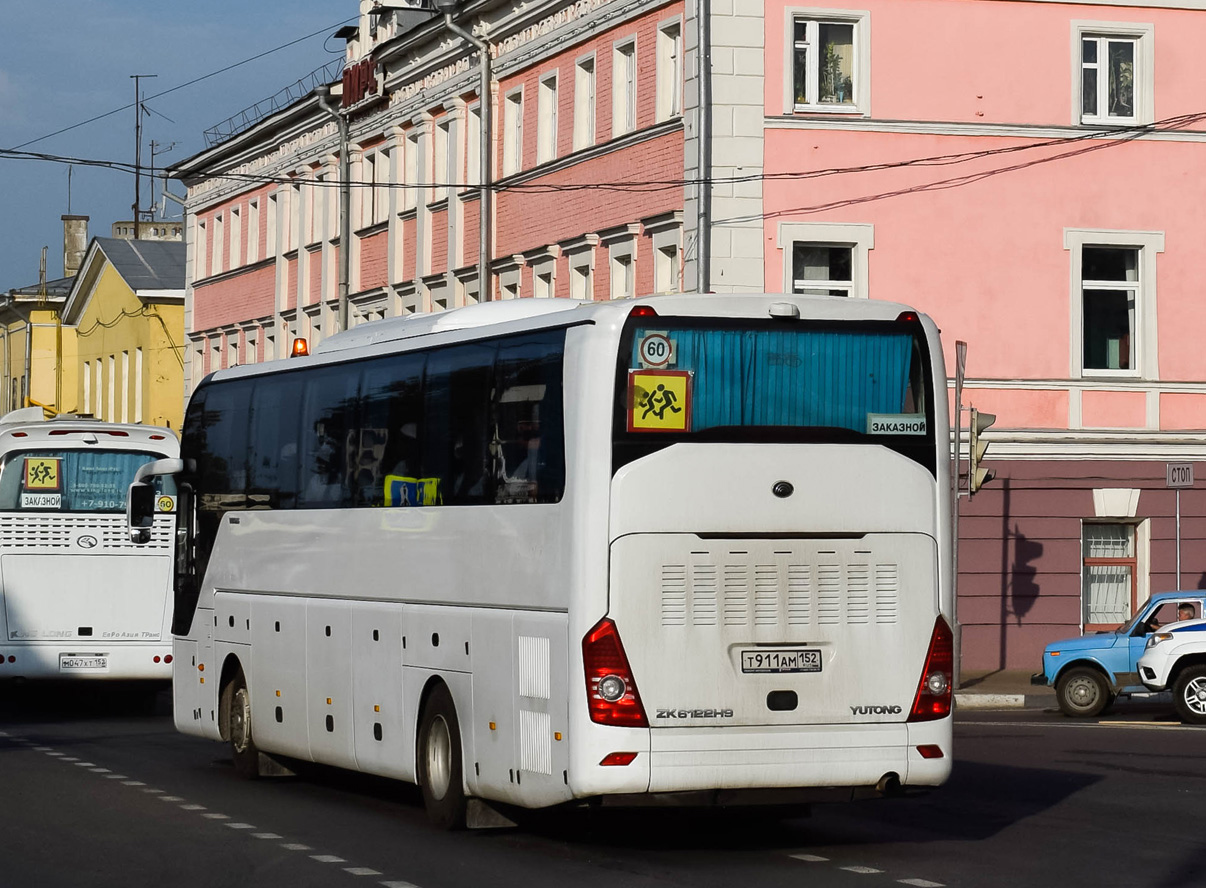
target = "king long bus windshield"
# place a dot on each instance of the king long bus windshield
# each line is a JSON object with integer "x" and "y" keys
{"x": 71, "y": 480}
{"x": 686, "y": 379}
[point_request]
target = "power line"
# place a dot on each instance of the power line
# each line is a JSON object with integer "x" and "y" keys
{"x": 181, "y": 86}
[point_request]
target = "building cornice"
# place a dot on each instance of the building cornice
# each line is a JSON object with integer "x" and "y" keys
{"x": 984, "y": 130}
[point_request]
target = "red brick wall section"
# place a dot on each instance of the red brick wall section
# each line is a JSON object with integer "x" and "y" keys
{"x": 233, "y": 299}
{"x": 471, "y": 234}
{"x": 407, "y": 228}
{"x": 373, "y": 257}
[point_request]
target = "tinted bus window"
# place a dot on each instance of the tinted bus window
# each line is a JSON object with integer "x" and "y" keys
{"x": 529, "y": 427}
{"x": 272, "y": 468}
{"x": 328, "y": 417}
{"x": 456, "y": 404}
{"x": 385, "y": 451}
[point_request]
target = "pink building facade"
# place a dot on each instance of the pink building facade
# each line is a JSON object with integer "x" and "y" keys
{"x": 1025, "y": 171}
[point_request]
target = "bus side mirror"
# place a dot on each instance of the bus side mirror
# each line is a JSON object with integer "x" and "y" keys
{"x": 140, "y": 511}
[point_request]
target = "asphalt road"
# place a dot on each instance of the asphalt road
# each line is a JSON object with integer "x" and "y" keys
{"x": 97, "y": 790}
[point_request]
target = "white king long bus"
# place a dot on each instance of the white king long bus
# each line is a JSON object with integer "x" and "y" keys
{"x": 78, "y": 599}
{"x": 543, "y": 551}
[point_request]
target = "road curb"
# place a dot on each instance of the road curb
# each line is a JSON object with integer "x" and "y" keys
{"x": 1003, "y": 701}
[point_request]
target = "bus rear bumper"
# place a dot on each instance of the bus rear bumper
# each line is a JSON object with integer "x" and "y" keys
{"x": 87, "y": 661}
{"x": 827, "y": 756}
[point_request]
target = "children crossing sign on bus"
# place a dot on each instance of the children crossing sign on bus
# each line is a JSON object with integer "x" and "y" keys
{"x": 659, "y": 401}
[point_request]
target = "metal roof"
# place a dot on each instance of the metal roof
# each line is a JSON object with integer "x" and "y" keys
{"x": 146, "y": 264}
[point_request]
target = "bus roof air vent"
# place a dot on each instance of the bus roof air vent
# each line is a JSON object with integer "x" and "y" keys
{"x": 784, "y": 311}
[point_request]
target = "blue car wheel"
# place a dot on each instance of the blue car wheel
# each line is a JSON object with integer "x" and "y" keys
{"x": 1082, "y": 693}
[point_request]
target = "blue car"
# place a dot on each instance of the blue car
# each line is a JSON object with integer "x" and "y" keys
{"x": 1091, "y": 672}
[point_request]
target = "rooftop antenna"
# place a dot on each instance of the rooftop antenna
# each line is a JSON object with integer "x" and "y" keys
{"x": 69, "y": 169}
{"x": 138, "y": 78}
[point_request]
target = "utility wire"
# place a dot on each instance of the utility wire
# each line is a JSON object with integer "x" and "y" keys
{"x": 173, "y": 89}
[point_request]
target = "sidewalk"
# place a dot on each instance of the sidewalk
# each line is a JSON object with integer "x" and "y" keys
{"x": 1002, "y": 689}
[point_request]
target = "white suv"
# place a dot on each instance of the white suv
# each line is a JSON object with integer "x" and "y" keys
{"x": 1175, "y": 657}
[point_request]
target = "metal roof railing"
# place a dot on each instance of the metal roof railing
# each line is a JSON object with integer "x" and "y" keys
{"x": 294, "y": 92}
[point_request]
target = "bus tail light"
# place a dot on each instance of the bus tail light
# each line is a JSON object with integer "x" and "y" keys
{"x": 933, "y": 700}
{"x": 642, "y": 311}
{"x": 611, "y": 691}
{"x": 167, "y": 658}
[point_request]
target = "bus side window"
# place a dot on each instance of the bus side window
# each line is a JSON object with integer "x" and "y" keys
{"x": 456, "y": 395}
{"x": 529, "y": 440}
{"x": 329, "y": 410}
{"x": 272, "y": 458}
{"x": 390, "y": 424}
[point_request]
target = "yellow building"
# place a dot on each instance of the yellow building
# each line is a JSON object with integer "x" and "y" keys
{"x": 126, "y": 306}
{"x": 39, "y": 357}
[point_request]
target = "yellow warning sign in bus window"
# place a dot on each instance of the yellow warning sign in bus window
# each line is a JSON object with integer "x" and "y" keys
{"x": 659, "y": 401}
{"x": 42, "y": 473}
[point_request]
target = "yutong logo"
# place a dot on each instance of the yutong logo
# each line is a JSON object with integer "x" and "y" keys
{"x": 694, "y": 713}
{"x": 876, "y": 710}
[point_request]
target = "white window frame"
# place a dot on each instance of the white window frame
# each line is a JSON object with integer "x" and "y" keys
{"x": 513, "y": 132}
{"x": 585, "y": 72}
{"x": 623, "y": 86}
{"x": 200, "y": 259}
{"x": 410, "y": 193}
{"x": 271, "y": 215}
{"x": 235, "y": 236}
{"x": 217, "y": 252}
{"x": 859, "y": 237}
{"x": 546, "y": 118}
{"x": 381, "y": 176}
{"x": 1143, "y": 36}
{"x": 1144, "y": 334}
{"x": 861, "y": 20}
{"x": 441, "y": 146}
{"x": 544, "y": 280}
{"x": 473, "y": 146}
{"x": 669, "y": 69}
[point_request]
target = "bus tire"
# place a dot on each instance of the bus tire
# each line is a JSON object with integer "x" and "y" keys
{"x": 1189, "y": 694}
{"x": 236, "y": 701}
{"x": 441, "y": 775}
{"x": 1082, "y": 693}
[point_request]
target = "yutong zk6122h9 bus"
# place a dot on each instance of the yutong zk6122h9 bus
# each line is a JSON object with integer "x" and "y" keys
{"x": 545, "y": 551}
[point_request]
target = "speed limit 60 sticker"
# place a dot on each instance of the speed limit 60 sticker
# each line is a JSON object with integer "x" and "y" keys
{"x": 656, "y": 350}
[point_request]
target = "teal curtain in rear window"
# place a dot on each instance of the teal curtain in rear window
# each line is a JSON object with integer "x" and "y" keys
{"x": 803, "y": 378}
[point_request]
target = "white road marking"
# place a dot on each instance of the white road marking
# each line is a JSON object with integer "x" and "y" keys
{"x": 55, "y": 754}
{"x": 100, "y": 771}
{"x": 238, "y": 826}
{"x": 43, "y": 748}
{"x": 216, "y": 816}
{"x": 152, "y": 790}
{"x": 399, "y": 885}
{"x": 133, "y": 783}
{"x": 327, "y": 858}
{"x": 69, "y": 759}
{"x": 921, "y": 883}
{"x": 171, "y": 799}
{"x": 192, "y": 807}
{"x": 265, "y": 836}
{"x": 360, "y": 871}
{"x": 295, "y": 847}
{"x": 810, "y": 858}
{"x": 1068, "y": 723}
{"x": 83, "y": 764}
{"x": 866, "y": 870}
{"x": 115, "y": 777}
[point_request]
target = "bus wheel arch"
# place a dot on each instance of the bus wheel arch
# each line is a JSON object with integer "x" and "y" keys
{"x": 234, "y": 718}
{"x": 439, "y": 757}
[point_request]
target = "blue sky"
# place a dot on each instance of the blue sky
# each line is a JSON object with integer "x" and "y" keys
{"x": 72, "y": 61}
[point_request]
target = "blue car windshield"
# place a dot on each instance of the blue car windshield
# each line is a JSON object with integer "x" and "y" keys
{"x": 1129, "y": 625}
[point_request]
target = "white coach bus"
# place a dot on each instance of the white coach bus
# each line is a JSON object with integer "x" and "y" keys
{"x": 689, "y": 547}
{"x": 78, "y": 599}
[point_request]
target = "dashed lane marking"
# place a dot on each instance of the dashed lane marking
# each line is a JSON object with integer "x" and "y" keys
{"x": 293, "y": 846}
{"x": 100, "y": 770}
{"x": 864, "y": 870}
{"x": 327, "y": 858}
{"x": 361, "y": 871}
{"x": 192, "y": 807}
{"x": 921, "y": 883}
{"x": 265, "y": 836}
{"x": 810, "y": 858}
{"x": 132, "y": 783}
{"x": 83, "y": 764}
{"x": 238, "y": 826}
{"x": 171, "y": 799}
{"x": 212, "y": 816}
{"x": 398, "y": 885}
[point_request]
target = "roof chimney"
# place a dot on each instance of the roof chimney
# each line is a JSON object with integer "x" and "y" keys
{"x": 75, "y": 243}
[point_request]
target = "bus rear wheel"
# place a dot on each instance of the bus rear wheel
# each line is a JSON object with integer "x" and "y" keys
{"x": 237, "y": 703}
{"x": 440, "y": 767}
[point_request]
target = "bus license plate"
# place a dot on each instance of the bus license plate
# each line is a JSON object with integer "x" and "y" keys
{"x": 801, "y": 660}
{"x": 75, "y": 663}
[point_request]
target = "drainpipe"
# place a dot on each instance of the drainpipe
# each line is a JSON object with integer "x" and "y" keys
{"x": 345, "y": 202}
{"x": 704, "y": 237}
{"x": 485, "y": 289}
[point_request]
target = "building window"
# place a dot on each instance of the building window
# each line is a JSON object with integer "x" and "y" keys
{"x": 584, "y": 103}
{"x": 270, "y": 221}
{"x": 669, "y": 70}
{"x": 513, "y": 133}
{"x": 367, "y": 164}
{"x": 542, "y": 282}
{"x": 1113, "y": 73}
{"x": 826, "y": 259}
{"x": 822, "y": 270}
{"x": 381, "y": 174}
{"x": 236, "y": 236}
{"x": 623, "y": 88}
{"x": 546, "y": 122}
{"x": 1108, "y": 576}
{"x": 219, "y": 242}
{"x": 199, "y": 258}
{"x": 665, "y": 269}
{"x": 439, "y": 165}
{"x": 580, "y": 282}
{"x": 1110, "y": 283}
{"x": 473, "y": 147}
{"x": 829, "y": 62}
{"x": 253, "y": 232}
{"x": 450, "y": 171}
{"x": 410, "y": 192}
{"x": 622, "y": 282}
